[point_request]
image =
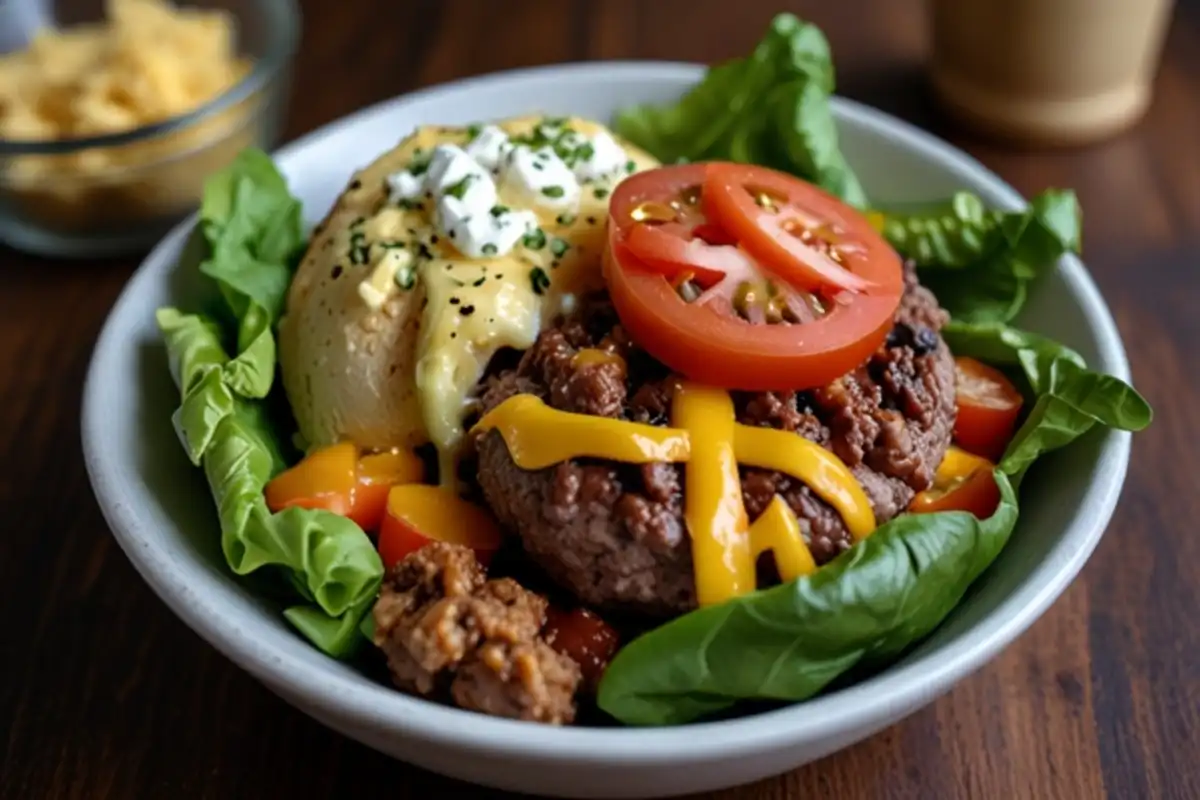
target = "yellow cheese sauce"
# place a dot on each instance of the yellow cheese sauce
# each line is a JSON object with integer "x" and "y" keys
{"x": 706, "y": 438}
{"x": 475, "y": 307}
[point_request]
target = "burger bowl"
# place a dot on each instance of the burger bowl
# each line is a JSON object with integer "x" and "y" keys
{"x": 160, "y": 511}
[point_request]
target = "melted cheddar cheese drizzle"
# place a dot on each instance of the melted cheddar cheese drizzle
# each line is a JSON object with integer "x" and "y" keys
{"x": 705, "y": 436}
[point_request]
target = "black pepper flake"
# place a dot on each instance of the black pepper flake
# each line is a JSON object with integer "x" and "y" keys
{"x": 433, "y": 239}
{"x": 591, "y": 220}
{"x": 565, "y": 219}
{"x": 499, "y": 276}
{"x": 453, "y": 334}
{"x": 423, "y": 251}
{"x": 453, "y": 235}
{"x": 337, "y": 271}
{"x": 467, "y": 311}
{"x": 454, "y": 301}
{"x": 480, "y": 281}
{"x": 355, "y": 184}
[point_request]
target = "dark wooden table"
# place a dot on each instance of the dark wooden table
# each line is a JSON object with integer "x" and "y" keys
{"x": 104, "y": 693}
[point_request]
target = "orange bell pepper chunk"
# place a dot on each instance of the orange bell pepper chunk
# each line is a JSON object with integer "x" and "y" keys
{"x": 963, "y": 482}
{"x": 324, "y": 479}
{"x": 336, "y": 479}
{"x": 418, "y": 514}
{"x": 377, "y": 474}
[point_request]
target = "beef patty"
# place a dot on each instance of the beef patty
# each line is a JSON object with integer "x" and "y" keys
{"x": 613, "y": 534}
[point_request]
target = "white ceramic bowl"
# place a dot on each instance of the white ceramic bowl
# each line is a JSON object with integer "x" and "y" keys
{"x": 162, "y": 515}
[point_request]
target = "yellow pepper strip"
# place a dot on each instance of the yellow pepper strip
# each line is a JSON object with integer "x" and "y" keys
{"x": 821, "y": 470}
{"x": 713, "y": 509}
{"x": 778, "y": 530}
{"x": 538, "y": 436}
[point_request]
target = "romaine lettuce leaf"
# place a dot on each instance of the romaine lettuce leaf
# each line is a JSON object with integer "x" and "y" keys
{"x": 1004, "y": 252}
{"x": 770, "y": 108}
{"x": 252, "y": 226}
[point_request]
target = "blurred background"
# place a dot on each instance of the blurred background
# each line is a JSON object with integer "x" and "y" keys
{"x": 114, "y": 697}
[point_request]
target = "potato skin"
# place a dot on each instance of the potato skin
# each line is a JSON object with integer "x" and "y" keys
{"x": 349, "y": 370}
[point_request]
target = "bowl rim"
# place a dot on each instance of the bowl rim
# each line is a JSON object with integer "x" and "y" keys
{"x": 866, "y": 705}
{"x": 283, "y": 23}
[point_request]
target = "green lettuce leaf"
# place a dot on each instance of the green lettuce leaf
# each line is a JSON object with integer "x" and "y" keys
{"x": 770, "y": 108}
{"x": 1004, "y": 252}
{"x": 1069, "y": 399}
{"x": 252, "y": 227}
{"x": 788, "y": 643}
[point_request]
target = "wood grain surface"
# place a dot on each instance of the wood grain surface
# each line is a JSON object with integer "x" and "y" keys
{"x": 104, "y": 693}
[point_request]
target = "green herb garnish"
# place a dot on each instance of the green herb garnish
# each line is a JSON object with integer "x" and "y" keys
{"x": 459, "y": 189}
{"x": 535, "y": 240}
{"x": 539, "y": 280}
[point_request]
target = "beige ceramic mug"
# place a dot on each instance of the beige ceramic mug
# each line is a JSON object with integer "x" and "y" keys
{"x": 1047, "y": 71}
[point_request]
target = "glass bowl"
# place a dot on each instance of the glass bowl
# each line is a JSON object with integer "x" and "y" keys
{"x": 120, "y": 192}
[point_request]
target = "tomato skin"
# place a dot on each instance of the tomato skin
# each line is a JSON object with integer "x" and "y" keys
{"x": 988, "y": 407}
{"x": 418, "y": 514}
{"x": 869, "y": 264}
{"x": 964, "y": 482}
{"x": 709, "y": 346}
{"x": 583, "y": 637}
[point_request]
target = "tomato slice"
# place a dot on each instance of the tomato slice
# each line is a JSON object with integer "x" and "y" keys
{"x": 659, "y": 216}
{"x": 963, "y": 482}
{"x": 709, "y": 342}
{"x": 799, "y": 231}
{"x": 988, "y": 407}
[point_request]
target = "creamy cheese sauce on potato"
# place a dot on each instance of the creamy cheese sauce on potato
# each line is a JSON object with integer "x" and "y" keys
{"x": 390, "y": 326}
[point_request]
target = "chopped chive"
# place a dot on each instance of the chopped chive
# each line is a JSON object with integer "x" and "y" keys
{"x": 490, "y": 249}
{"x": 474, "y": 129}
{"x": 539, "y": 280}
{"x": 600, "y": 193}
{"x": 419, "y": 168}
{"x": 499, "y": 211}
{"x": 459, "y": 190}
{"x": 630, "y": 166}
{"x": 535, "y": 240}
{"x": 559, "y": 246}
{"x": 553, "y": 191}
{"x": 406, "y": 278}
{"x": 565, "y": 219}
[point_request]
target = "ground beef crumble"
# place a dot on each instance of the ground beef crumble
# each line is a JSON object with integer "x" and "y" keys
{"x": 448, "y": 632}
{"x": 613, "y": 534}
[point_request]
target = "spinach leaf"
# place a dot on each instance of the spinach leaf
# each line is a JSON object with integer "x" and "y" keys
{"x": 789, "y": 642}
{"x": 251, "y": 224}
{"x": 770, "y": 108}
{"x": 1069, "y": 398}
{"x": 1003, "y": 252}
